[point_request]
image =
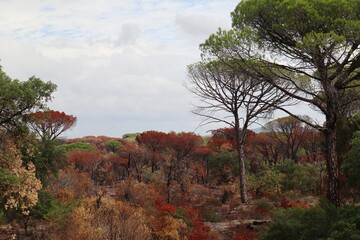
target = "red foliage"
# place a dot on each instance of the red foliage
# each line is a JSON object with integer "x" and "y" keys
{"x": 292, "y": 204}
{"x": 50, "y": 124}
{"x": 166, "y": 207}
{"x": 182, "y": 144}
{"x": 225, "y": 138}
{"x": 84, "y": 161}
{"x": 137, "y": 157}
{"x": 115, "y": 159}
{"x": 270, "y": 150}
{"x": 292, "y": 134}
{"x": 245, "y": 234}
{"x": 152, "y": 140}
{"x": 203, "y": 151}
{"x": 200, "y": 231}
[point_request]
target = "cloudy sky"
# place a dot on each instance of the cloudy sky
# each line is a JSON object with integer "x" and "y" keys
{"x": 120, "y": 65}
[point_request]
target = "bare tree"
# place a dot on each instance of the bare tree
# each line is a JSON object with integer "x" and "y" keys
{"x": 227, "y": 88}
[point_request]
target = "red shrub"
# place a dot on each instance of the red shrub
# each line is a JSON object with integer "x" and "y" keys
{"x": 166, "y": 207}
{"x": 245, "y": 234}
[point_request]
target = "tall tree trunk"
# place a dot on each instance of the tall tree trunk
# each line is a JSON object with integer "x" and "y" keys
{"x": 333, "y": 186}
{"x": 240, "y": 136}
{"x": 243, "y": 189}
{"x": 332, "y": 166}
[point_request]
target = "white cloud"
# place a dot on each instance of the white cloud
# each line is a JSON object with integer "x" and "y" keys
{"x": 129, "y": 34}
{"x": 197, "y": 25}
{"x": 120, "y": 66}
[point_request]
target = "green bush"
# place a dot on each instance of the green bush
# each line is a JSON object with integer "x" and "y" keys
{"x": 351, "y": 167}
{"x": 223, "y": 167}
{"x": 77, "y": 146}
{"x": 47, "y": 158}
{"x": 182, "y": 214}
{"x": 113, "y": 145}
{"x": 267, "y": 180}
{"x": 130, "y": 137}
{"x": 348, "y": 224}
{"x": 44, "y": 205}
{"x": 49, "y": 208}
{"x": 300, "y": 178}
{"x": 322, "y": 222}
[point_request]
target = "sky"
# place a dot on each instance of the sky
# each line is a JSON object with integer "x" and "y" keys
{"x": 120, "y": 65}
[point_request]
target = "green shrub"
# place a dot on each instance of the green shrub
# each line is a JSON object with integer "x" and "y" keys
{"x": 322, "y": 222}
{"x": 182, "y": 214}
{"x": 348, "y": 224}
{"x": 267, "y": 180}
{"x": 130, "y": 137}
{"x": 300, "y": 178}
{"x": 113, "y": 145}
{"x": 351, "y": 167}
{"x": 77, "y": 146}
{"x": 49, "y": 208}
{"x": 223, "y": 167}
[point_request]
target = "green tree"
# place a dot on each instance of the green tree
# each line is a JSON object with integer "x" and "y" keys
{"x": 48, "y": 125}
{"x": 223, "y": 167}
{"x": 77, "y": 146}
{"x": 300, "y": 178}
{"x": 351, "y": 167}
{"x": 113, "y": 145}
{"x": 269, "y": 179}
{"x": 47, "y": 157}
{"x": 307, "y": 49}
{"x": 18, "y": 98}
{"x": 320, "y": 222}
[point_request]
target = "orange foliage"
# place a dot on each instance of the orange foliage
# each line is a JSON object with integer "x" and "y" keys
{"x": 292, "y": 204}
{"x": 225, "y": 139}
{"x": 183, "y": 143}
{"x": 84, "y": 161}
{"x": 50, "y": 124}
{"x": 166, "y": 207}
{"x": 65, "y": 195}
{"x": 105, "y": 219}
{"x": 270, "y": 150}
{"x": 71, "y": 184}
{"x": 200, "y": 231}
{"x": 152, "y": 140}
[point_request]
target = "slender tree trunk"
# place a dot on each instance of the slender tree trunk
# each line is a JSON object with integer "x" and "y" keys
{"x": 332, "y": 166}
{"x": 240, "y": 150}
{"x": 333, "y": 186}
{"x": 243, "y": 189}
